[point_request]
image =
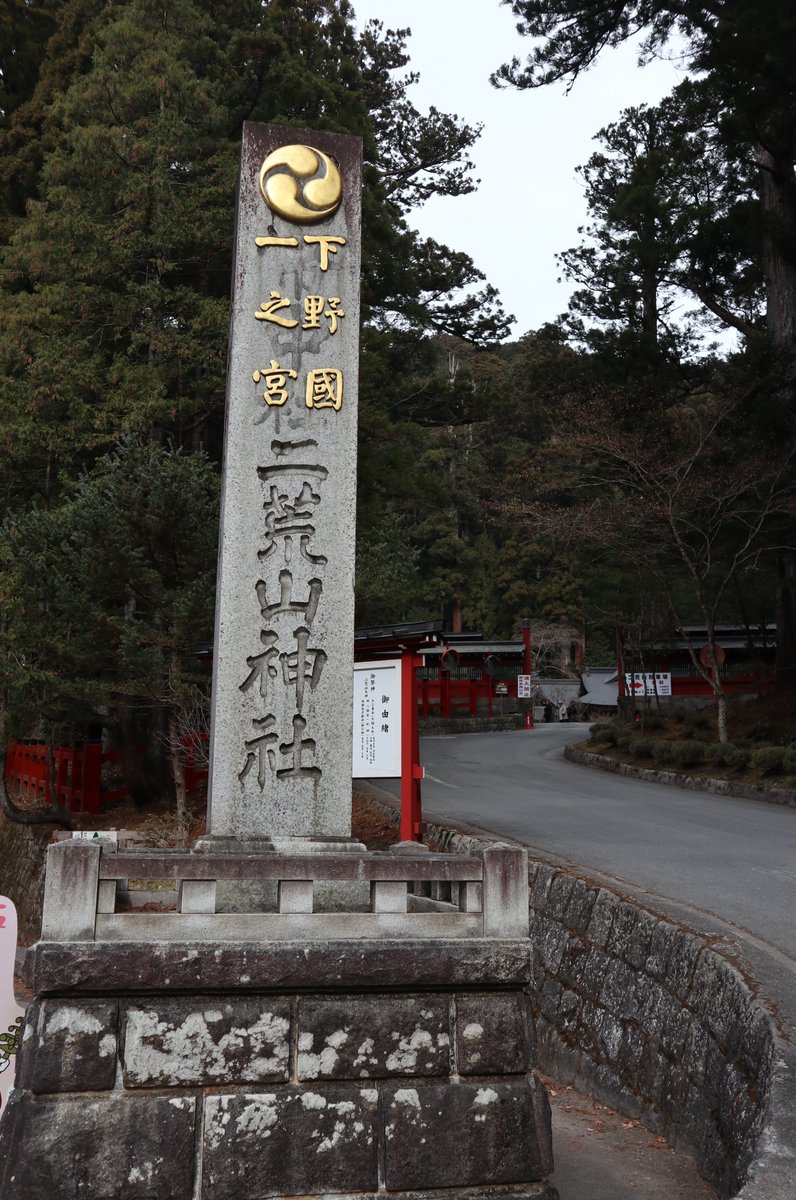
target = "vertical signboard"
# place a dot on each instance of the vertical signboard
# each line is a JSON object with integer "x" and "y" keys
{"x": 10, "y": 1012}
{"x": 377, "y": 720}
{"x": 281, "y": 731}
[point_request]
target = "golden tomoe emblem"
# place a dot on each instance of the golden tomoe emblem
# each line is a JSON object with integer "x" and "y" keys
{"x": 301, "y": 184}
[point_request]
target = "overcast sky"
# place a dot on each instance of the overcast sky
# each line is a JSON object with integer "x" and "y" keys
{"x": 529, "y": 148}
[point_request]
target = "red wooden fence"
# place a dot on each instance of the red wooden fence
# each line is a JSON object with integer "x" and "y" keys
{"x": 78, "y": 772}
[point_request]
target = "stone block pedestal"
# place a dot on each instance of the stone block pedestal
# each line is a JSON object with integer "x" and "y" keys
{"x": 249, "y": 1071}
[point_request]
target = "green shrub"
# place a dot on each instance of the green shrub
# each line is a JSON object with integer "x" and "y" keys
{"x": 761, "y": 732}
{"x": 606, "y": 734}
{"x": 789, "y": 761}
{"x": 727, "y": 754}
{"x": 697, "y": 718}
{"x": 625, "y": 739}
{"x": 642, "y": 747}
{"x": 654, "y": 720}
{"x": 662, "y": 751}
{"x": 769, "y": 760}
{"x": 687, "y": 754}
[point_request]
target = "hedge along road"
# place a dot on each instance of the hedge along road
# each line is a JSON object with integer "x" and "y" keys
{"x": 730, "y": 859}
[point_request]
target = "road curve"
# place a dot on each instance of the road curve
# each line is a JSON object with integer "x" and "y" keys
{"x": 730, "y": 859}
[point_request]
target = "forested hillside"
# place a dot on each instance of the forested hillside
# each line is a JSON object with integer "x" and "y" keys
{"x": 617, "y": 465}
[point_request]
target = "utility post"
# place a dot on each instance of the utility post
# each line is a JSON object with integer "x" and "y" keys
{"x": 526, "y": 666}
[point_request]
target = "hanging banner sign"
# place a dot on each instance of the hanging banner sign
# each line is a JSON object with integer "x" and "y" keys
{"x": 523, "y": 687}
{"x": 10, "y": 1012}
{"x": 377, "y": 719}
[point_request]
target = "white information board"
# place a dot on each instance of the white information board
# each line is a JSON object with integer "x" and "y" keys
{"x": 523, "y": 687}
{"x": 657, "y": 683}
{"x": 377, "y": 719}
{"x": 10, "y": 1012}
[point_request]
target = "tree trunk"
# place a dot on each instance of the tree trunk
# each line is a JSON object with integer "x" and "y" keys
{"x": 178, "y": 775}
{"x": 778, "y": 202}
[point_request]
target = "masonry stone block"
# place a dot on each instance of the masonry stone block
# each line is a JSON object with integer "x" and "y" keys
{"x": 561, "y": 887}
{"x": 718, "y": 993}
{"x": 494, "y": 1034}
{"x": 291, "y": 1142}
{"x": 69, "y": 1046}
{"x": 550, "y": 941}
{"x": 695, "y": 1052}
{"x": 717, "y": 1161}
{"x": 685, "y": 951}
{"x": 602, "y": 917}
{"x": 672, "y": 1098}
{"x": 574, "y": 960}
{"x": 579, "y": 906}
{"x": 129, "y": 1147}
{"x": 754, "y": 1045}
{"x": 675, "y": 1031}
{"x": 568, "y": 1011}
{"x": 715, "y": 1069}
{"x": 540, "y": 882}
{"x": 373, "y": 1037}
{"x": 610, "y": 1034}
{"x": 204, "y": 1041}
{"x": 594, "y": 972}
{"x": 549, "y": 998}
{"x": 651, "y": 1070}
{"x": 461, "y": 1136}
{"x": 660, "y": 950}
{"x": 587, "y": 1034}
{"x": 607, "y": 1086}
{"x": 655, "y": 1011}
{"x": 624, "y": 992}
{"x": 631, "y": 1050}
{"x": 631, "y": 934}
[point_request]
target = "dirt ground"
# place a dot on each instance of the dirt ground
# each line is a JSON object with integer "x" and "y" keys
{"x": 601, "y": 1155}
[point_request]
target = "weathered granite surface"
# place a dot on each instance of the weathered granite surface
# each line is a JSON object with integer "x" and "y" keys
{"x": 283, "y": 661}
{"x": 417, "y": 1078}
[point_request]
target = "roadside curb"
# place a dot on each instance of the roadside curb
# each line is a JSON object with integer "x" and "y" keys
{"x": 690, "y": 783}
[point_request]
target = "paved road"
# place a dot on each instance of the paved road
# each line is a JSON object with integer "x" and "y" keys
{"x": 731, "y": 859}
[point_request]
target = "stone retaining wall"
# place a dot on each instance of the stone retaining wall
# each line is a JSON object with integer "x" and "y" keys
{"x": 690, "y": 783}
{"x": 437, "y": 725}
{"x": 647, "y": 1017}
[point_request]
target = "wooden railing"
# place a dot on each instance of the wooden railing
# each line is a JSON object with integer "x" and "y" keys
{"x": 87, "y": 895}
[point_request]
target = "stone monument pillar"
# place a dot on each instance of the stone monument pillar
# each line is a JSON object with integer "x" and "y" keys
{"x": 283, "y": 667}
{"x": 232, "y": 1035}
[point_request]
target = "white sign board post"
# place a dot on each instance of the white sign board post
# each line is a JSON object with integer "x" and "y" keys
{"x": 377, "y": 719}
{"x": 523, "y": 687}
{"x": 10, "y": 1012}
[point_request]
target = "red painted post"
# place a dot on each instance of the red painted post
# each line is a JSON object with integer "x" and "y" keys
{"x": 411, "y": 771}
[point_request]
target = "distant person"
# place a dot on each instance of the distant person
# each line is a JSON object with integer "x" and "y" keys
{"x": 563, "y": 715}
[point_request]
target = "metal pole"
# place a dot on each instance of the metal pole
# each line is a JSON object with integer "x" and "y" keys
{"x": 526, "y": 666}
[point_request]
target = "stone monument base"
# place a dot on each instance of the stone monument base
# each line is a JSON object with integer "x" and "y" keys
{"x": 244, "y": 1071}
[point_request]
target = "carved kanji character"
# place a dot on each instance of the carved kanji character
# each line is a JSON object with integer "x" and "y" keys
{"x": 260, "y": 748}
{"x": 297, "y": 749}
{"x": 302, "y": 665}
